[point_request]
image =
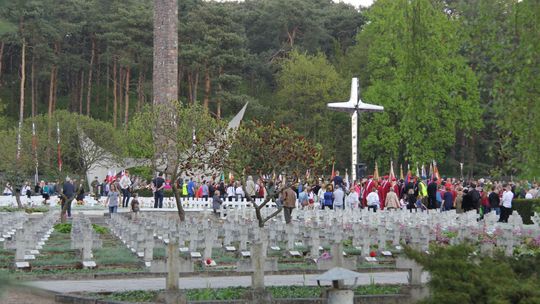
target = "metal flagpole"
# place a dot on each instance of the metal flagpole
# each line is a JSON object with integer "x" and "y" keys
{"x": 58, "y": 146}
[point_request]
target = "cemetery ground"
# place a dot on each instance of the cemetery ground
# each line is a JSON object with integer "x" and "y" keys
{"x": 121, "y": 258}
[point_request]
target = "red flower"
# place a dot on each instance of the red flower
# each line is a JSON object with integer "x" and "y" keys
{"x": 372, "y": 254}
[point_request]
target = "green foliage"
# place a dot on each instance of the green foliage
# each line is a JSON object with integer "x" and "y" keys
{"x": 268, "y": 148}
{"x": 416, "y": 72}
{"x": 234, "y": 293}
{"x": 458, "y": 275}
{"x": 526, "y": 208}
{"x": 100, "y": 229}
{"x": 305, "y": 85}
{"x": 63, "y": 228}
{"x": 149, "y": 193}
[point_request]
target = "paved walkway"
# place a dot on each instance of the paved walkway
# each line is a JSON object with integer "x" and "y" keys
{"x": 209, "y": 282}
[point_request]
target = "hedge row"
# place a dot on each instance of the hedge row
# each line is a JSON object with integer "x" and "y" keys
{"x": 149, "y": 193}
{"x": 526, "y": 208}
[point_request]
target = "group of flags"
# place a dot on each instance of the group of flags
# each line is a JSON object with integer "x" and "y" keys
{"x": 433, "y": 172}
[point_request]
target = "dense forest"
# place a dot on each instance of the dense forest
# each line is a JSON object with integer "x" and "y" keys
{"x": 458, "y": 78}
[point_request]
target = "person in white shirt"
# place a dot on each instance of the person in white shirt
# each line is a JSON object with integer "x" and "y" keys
{"x": 125, "y": 183}
{"x": 7, "y": 190}
{"x": 239, "y": 191}
{"x": 352, "y": 198}
{"x": 506, "y": 204}
{"x": 373, "y": 200}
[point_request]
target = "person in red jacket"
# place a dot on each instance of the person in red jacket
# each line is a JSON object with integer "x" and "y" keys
{"x": 370, "y": 184}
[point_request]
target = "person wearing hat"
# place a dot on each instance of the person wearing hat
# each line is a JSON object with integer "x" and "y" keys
{"x": 383, "y": 190}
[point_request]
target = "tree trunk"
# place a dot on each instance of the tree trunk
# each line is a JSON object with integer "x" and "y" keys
{"x": 181, "y": 212}
{"x": 21, "y": 99}
{"x": 1, "y": 60}
{"x": 195, "y": 86}
{"x": 165, "y": 70}
{"x": 90, "y": 70}
{"x": 140, "y": 90}
{"x": 98, "y": 80}
{"x": 115, "y": 101}
{"x": 207, "y": 87}
{"x": 120, "y": 87}
{"x": 218, "y": 99}
{"x": 33, "y": 85}
{"x": 81, "y": 93}
{"x": 190, "y": 87}
{"x": 107, "y": 87}
{"x": 126, "y": 108}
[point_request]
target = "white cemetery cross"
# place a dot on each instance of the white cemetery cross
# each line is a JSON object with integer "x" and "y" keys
{"x": 353, "y": 106}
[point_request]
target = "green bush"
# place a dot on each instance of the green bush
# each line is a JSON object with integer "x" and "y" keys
{"x": 100, "y": 229}
{"x": 149, "y": 193}
{"x": 526, "y": 208}
{"x": 459, "y": 275}
{"x": 63, "y": 228}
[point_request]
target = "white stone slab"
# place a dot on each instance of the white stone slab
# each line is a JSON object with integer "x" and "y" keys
{"x": 276, "y": 248}
{"x": 298, "y": 244}
{"x": 245, "y": 254}
{"x": 2, "y": 239}
{"x": 371, "y": 259}
{"x": 295, "y": 253}
{"x": 29, "y": 257}
{"x": 89, "y": 264}
{"x": 230, "y": 248}
{"x": 39, "y": 247}
{"x": 147, "y": 264}
{"x": 34, "y": 252}
{"x": 41, "y": 243}
{"x": 166, "y": 241}
{"x": 195, "y": 254}
{"x": 321, "y": 248}
{"x": 140, "y": 254}
{"x": 183, "y": 249}
{"x": 386, "y": 253}
{"x": 398, "y": 247}
{"x": 22, "y": 264}
{"x": 133, "y": 250}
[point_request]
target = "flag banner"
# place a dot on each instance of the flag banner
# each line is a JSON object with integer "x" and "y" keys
{"x": 376, "y": 172}
{"x": 392, "y": 174}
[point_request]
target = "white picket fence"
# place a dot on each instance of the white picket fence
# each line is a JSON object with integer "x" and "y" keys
{"x": 191, "y": 204}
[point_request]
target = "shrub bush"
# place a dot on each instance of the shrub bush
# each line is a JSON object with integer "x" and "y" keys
{"x": 526, "y": 208}
{"x": 149, "y": 193}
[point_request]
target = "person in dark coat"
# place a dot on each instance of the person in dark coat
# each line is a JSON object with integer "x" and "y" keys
{"x": 432, "y": 194}
{"x": 467, "y": 203}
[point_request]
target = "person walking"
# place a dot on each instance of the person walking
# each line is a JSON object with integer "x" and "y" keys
{"x": 112, "y": 199}
{"x": 289, "y": 203}
{"x": 506, "y": 204}
{"x": 125, "y": 184}
{"x": 68, "y": 190}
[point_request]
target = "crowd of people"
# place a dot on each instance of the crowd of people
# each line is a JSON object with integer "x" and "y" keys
{"x": 387, "y": 192}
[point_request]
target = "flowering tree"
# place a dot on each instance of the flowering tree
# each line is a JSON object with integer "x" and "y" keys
{"x": 258, "y": 148}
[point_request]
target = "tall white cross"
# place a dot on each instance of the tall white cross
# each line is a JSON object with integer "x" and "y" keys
{"x": 353, "y": 106}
